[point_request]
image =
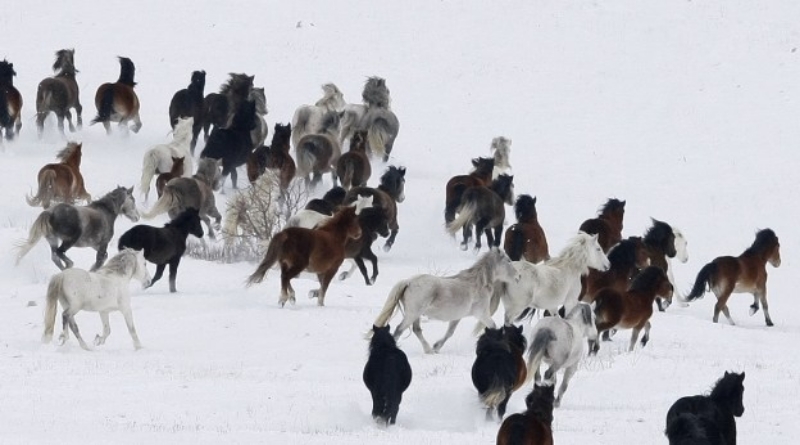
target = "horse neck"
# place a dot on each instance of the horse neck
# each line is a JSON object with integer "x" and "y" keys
{"x": 566, "y": 262}
{"x": 483, "y": 176}
{"x": 388, "y": 192}
{"x": 613, "y": 219}
{"x": 106, "y": 206}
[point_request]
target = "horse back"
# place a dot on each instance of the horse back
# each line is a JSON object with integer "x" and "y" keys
{"x": 62, "y": 91}
{"x": 729, "y": 273}
{"x": 521, "y": 429}
{"x": 380, "y": 199}
{"x": 707, "y": 411}
{"x": 387, "y": 370}
{"x": 123, "y": 99}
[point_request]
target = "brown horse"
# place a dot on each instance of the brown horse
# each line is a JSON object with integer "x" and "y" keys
{"x": 176, "y": 172}
{"x": 626, "y": 258}
{"x": 10, "y": 101}
{"x": 319, "y": 251}
{"x": 61, "y": 181}
{"x": 745, "y": 273}
{"x": 534, "y": 426}
{"x": 274, "y": 157}
{"x": 59, "y": 93}
{"x": 117, "y": 102}
{"x": 633, "y": 308}
{"x": 660, "y": 242}
{"x": 526, "y": 238}
{"x": 481, "y": 175}
{"x": 353, "y": 168}
{"x": 317, "y": 154}
{"x": 608, "y": 224}
{"x": 499, "y": 368}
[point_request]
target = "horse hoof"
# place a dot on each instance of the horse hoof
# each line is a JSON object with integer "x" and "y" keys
{"x": 770, "y": 323}
{"x": 342, "y": 276}
{"x": 387, "y": 247}
{"x": 753, "y": 310}
{"x": 98, "y": 340}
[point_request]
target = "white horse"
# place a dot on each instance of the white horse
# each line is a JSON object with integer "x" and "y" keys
{"x": 103, "y": 291}
{"x": 159, "y": 158}
{"x": 559, "y": 343}
{"x": 307, "y": 119}
{"x": 501, "y": 147}
{"x": 553, "y": 283}
{"x": 682, "y": 254}
{"x": 448, "y": 298}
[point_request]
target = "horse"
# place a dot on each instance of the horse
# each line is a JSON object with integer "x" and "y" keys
{"x": 219, "y": 108}
{"x": 660, "y": 242}
{"x": 373, "y": 222}
{"x": 177, "y": 171}
{"x": 559, "y": 342}
{"x": 449, "y": 298}
{"x": 188, "y": 103}
{"x": 608, "y": 224}
{"x": 499, "y": 367}
{"x": 632, "y": 309}
{"x": 389, "y": 193}
{"x": 387, "y": 374}
{"x": 526, "y": 238}
{"x": 483, "y": 207}
{"x": 61, "y": 181}
{"x": 481, "y": 175}
{"x": 319, "y": 251}
{"x": 625, "y": 260}
{"x": 80, "y": 226}
{"x": 10, "y": 101}
{"x": 746, "y": 273}
{"x": 535, "y": 425}
{"x": 353, "y": 168}
{"x": 117, "y": 102}
{"x": 103, "y": 291}
{"x": 232, "y": 144}
{"x": 375, "y": 117}
{"x": 307, "y": 119}
{"x": 259, "y": 133}
{"x": 708, "y": 419}
{"x": 196, "y": 191}
{"x": 159, "y": 158}
{"x": 326, "y": 205}
{"x": 59, "y": 93}
{"x": 318, "y": 153}
{"x": 550, "y": 284}
{"x": 164, "y": 245}
{"x": 501, "y": 149}
{"x": 274, "y": 157}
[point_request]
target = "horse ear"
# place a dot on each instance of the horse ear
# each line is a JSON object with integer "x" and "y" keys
{"x": 402, "y": 171}
{"x": 130, "y": 191}
{"x": 742, "y": 377}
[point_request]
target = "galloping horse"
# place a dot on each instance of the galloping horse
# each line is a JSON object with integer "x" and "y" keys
{"x": 274, "y": 157}
{"x": 626, "y": 258}
{"x": 308, "y": 119}
{"x": 389, "y": 193}
{"x": 535, "y": 425}
{"x": 387, "y": 375}
{"x": 60, "y": 93}
{"x": 607, "y": 225}
{"x": 63, "y": 180}
{"x": 10, "y": 101}
{"x": 176, "y": 171}
{"x": 526, "y": 238}
{"x": 188, "y": 102}
{"x": 499, "y": 368}
{"x": 117, "y": 102}
{"x": 481, "y": 175}
{"x": 219, "y": 108}
{"x": 318, "y": 153}
{"x": 660, "y": 242}
{"x": 746, "y": 273}
{"x": 353, "y": 168}
{"x": 374, "y": 116}
{"x": 483, "y": 207}
{"x": 233, "y": 143}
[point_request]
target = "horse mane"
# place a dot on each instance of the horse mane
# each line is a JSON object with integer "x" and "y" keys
{"x": 7, "y": 73}
{"x": 257, "y": 95}
{"x": 540, "y": 403}
{"x": 658, "y": 234}
{"x": 243, "y": 119}
{"x": 239, "y": 85}
{"x": 381, "y": 338}
{"x": 110, "y": 201}
{"x": 481, "y": 270}
{"x": 624, "y": 253}
{"x": 72, "y": 149}
{"x": 375, "y": 93}
{"x": 611, "y": 206}
{"x": 65, "y": 62}
{"x": 525, "y": 209}
{"x": 482, "y": 166}
{"x": 727, "y": 387}
{"x": 330, "y": 122}
{"x": 335, "y": 196}
{"x": 572, "y": 252}
{"x": 647, "y": 278}
{"x": 331, "y": 99}
{"x": 503, "y": 185}
{"x": 189, "y": 213}
{"x": 765, "y": 240}
{"x": 492, "y": 339}
{"x": 126, "y": 72}
{"x": 120, "y": 263}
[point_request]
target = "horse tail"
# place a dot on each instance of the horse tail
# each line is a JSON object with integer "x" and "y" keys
{"x": 300, "y": 124}
{"x": 5, "y": 117}
{"x": 451, "y": 206}
{"x": 539, "y": 345}
{"x": 53, "y": 293}
{"x": 167, "y": 201}
{"x": 41, "y": 227}
{"x": 685, "y": 427}
{"x": 149, "y": 167}
{"x": 494, "y": 303}
{"x": 496, "y": 393}
{"x": 43, "y": 102}
{"x": 377, "y": 136}
{"x": 395, "y": 295}
{"x": 704, "y": 277}
{"x": 46, "y": 190}
{"x": 466, "y": 214}
{"x": 273, "y": 252}
{"x": 515, "y": 243}
{"x": 106, "y": 107}
{"x": 516, "y": 434}
{"x": 306, "y": 157}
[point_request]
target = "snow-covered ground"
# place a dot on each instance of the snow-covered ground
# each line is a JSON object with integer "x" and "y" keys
{"x": 687, "y": 110}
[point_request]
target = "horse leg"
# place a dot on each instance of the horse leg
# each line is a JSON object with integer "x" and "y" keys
{"x": 363, "y": 269}
{"x": 466, "y": 233}
{"x": 417, "y": 328}
{"x": 646, "y": 337}
{"x": 207, "y": 220}
{"x": 107, "y": 126}
{"x": 102, "y": 255}
{"x": 722, "y": 306}
{"x": 568, "y": 373}
{"x": 324, "y": 282}
{"x": 344, "y": 275}
{"x": 79, "y": 112}
{"x": 498, "y": 234}
{"x": 68, "y": 116}
{"x": 127, "y": 314}
{"x": 64, "y": 326}
{"x": 173, "y": 273}
{"x": 370, "y": 255}
{"x": 74, "y": 327}
{"x": 234, "y": 178}
{"x": 159, "y": 272}
{"x": 287, "y": 273}
{"x": 390, "y": 242}
{"x": 60, "y": 253}
{"x": 101, "y": 339}
{"x": 480, "y": 228}
{"x": 761, "y": 295}
{"x": 137, "y": 123}
{"x": 450, "y": 330}
{"x": 634, "y": 335}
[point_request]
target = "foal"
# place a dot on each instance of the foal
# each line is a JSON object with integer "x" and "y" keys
{"x": 608, "y": 224}
{"x": 526, "y": 238}
{"x": 746, "y": 273}
{"x": 61, "y": 181}
{"x": 176, "y": 172}
{"x": 535, "y": 425}
{"x": 117, "y": 101}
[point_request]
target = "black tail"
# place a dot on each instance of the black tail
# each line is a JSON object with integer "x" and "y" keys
{"x": 106, "y": 106}
{"x": 688, "y": 429}
{"x": 704, "y": 277}
{"x": 126, "y": 72}
{"x": 452, "y": 205}
{"x": 515, "y": 243}
{"x": 5, "y": 118}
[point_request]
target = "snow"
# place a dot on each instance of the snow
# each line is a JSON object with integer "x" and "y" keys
{"x": 687, "y": 110}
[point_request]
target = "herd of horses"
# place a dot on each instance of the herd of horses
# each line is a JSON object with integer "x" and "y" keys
{"x": 599, "y": 283}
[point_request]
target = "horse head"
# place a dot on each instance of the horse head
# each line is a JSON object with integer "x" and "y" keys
{"x": 190, "y": 218}
{"x": 681, "y": 246}
{"x": 504, "y": 187}
{"x": 7, "y": 73}
{"x": 394, "y": 182}
{"x": 729, "y": 390}
{"x": 768, "y": 245}
{"x": 595, "y": 257}
{"x": 661, "y": 236}
{"x": 65, "y": 61}
{"x": 128, "y": 207}
{"x": 504, "y": 268}
{"x": 198, "y": 80}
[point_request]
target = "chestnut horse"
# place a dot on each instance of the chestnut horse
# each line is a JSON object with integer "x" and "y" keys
{"x": 117, "y": 102}
{"x": 10, "y": 101}
{"x": 626, "y": 258}
{"x": 60, "y": 93}
{"x": 535, "y": 425}
{"x": 481, "y": 175}
{"x": 176, "y": 172}
{"x": 607, "y": 225}
{"x": 319, "y": 251}
{"x": 526, "y": 238}
{"x": 61, "y": 181}
{"x": 746, "y": 273}
{"x": 353, "y": 168}
{"x": 633, "y": 308}
{"x": 274, "y": 157}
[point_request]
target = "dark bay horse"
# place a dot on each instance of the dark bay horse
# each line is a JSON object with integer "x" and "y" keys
{"x": 660, "y": 242}
{"x": 481, "y": 175}
{"x": 483, "y": 207}
{"x": 353, "y": 168}
{"x": 499, "y": 368}
{"x": 626, "y": 259}
{"x": 61, "y": 181}
{"x": 632, "y": 308}
{"x": 535, "y": 425}
{"x": 389, "y": 193}
{"x": 219, "y": 108}
{"x": 373, "y": 222}
{"x": 708, "y": 419}
{"x": 387, "y": 375}
{"x": 176, "y": 171}
{"x": 10, "y": 101}
{"x": 81, "y": 226}
{"x": 59, "y": 93}
{"x": 117, "y": 102}
{"x": 329, "y": 202}
{"x": 164, "y": 246}
{"x": 319, "y": 251}
{"x": 188, "y": 102}
{"x": 746, "y": 273}
{"x": 526, "y": 238}
{"x": 608, "y": 224}
{"x": 233, "y": 144}
{"x": 318, "y": 153}
{"x": 274, "y": 157}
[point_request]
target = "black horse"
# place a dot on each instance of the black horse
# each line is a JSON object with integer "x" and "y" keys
{"x": 233, "y": 144}
{"x": 389, "y": 193}
{"x": 219, "y": 108}
{"x": 387, "y": 375}
{"x": 499, "y": 369}
{"x": 329, "y": 202}
{"x": 165, "y": 245}
{"x": 188, "y": 102}
{"x": 373, "y": 222}
{"x": 708, "y": 419}
{"x": 483, "y": 208}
